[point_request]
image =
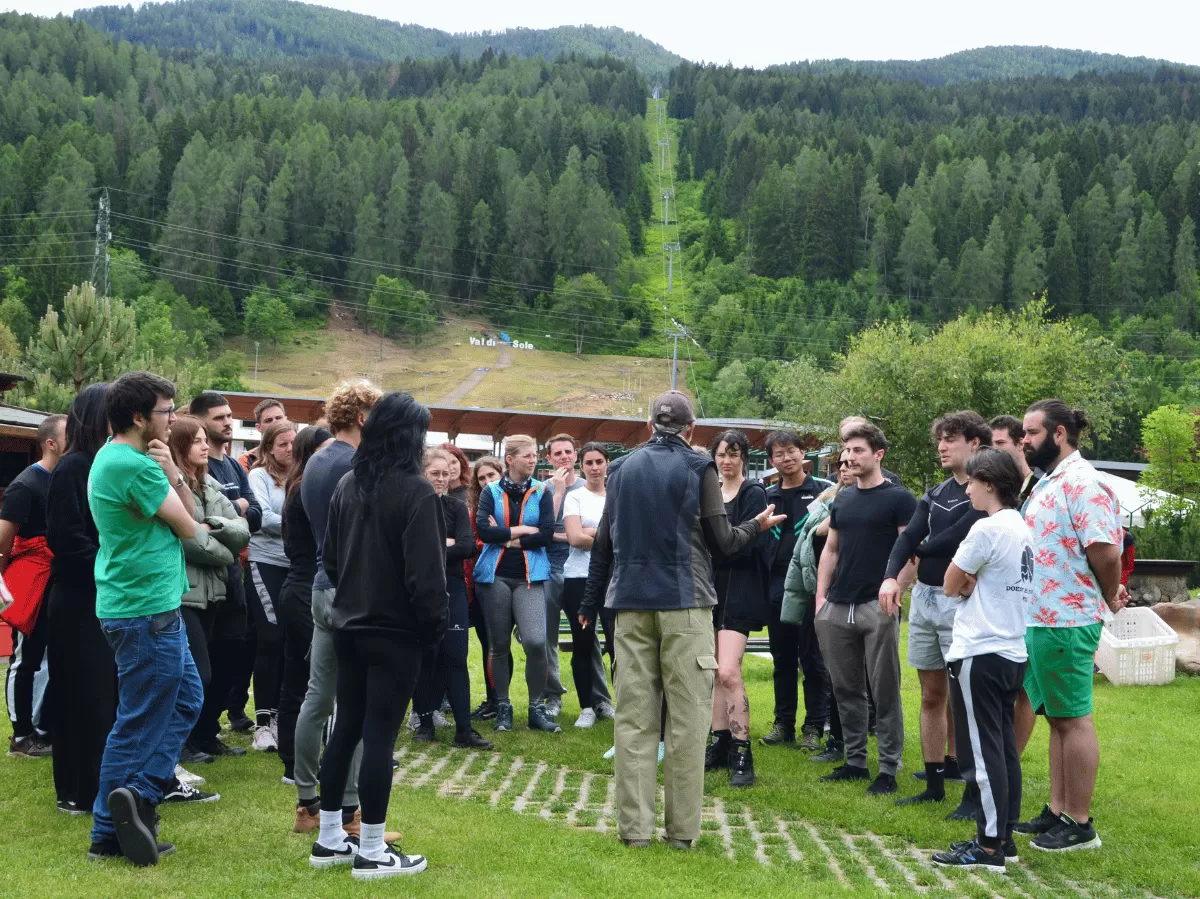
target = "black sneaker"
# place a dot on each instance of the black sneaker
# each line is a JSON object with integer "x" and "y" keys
{"x": 71, "y": 807}
{"x": 1045, "y": 822}
{"x": 216, "y": 746}
{"x": 190, "y": 755}
{"x": 504, "y": 716}
{"x": 138, "y": 843}
{"x": 968, "y": 810}
{"x": 835, "y": 751}
{"x": 1010, "y": 849}
{"x": 539, "y": 719}
{"x": 1068, "y": 836}
{"x": 969, "y": 856}
{"x": 241, "y": 722}
{"x": 323, "y": 857}
{"x": 35, "y": 746}
{"x": 472, "y": 740}
{"x": 102, "y": 849}
{"x": 716, "y": 756}
{"x": 921, "y": 798}
{"x": 485, "y": 712}
{"x": 741, "y": 760}
{"x": 425, "y": 733}
{"x": 846, "y": 772}
{"x": 181, "y": 792}
{"x": 882, "y": 785}
{"x": 779, "y": 735}
{"x": 393, "y": 864}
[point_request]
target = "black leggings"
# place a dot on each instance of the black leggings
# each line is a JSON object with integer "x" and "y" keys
{"x": 198, "y": 623}
{"x": 28, "y": 657}
{"x": 444, "y": 666}
{"x": 376, "y": 674}
{"x": 267, "y": 581}
{"x": 582, "y": 641}
{"x": 295, "y": 616}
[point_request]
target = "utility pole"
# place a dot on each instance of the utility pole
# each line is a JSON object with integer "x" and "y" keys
{"x": 100, "y": 257}
{"x": 662, "y": 149}
{"x": 256, "y": 366}
{"x": 671, "y": 249}
{"x": 667, "y": 196}
{"x": 675, "y": 335}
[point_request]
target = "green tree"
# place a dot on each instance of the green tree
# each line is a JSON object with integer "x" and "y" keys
{"x": 917, "y": 257}
{"x": 1170, "y": 440}
{"x": 1185, "y": 259}
{"x": 268, "y": 317}
{"x": 584, "y": 304}
{"x": 94, "y": 339}
{"x": 395, "y": 308}
{"x": 1063, "y": 272}
{"x": 438, "y": 228}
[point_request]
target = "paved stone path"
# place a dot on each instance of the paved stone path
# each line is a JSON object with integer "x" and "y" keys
{"x": 585, "y": 800}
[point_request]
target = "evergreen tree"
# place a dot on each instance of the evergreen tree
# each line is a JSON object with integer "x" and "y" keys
{"x": 917, "y": 256}
{"x": 93, "y": 340}
{"x": 1063, "y": 273}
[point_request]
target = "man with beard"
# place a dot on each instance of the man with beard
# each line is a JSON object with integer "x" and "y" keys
{"x": 231, "y": 649}
{"x": 1077, "y": 583}
{"x": 1007, "y": 434}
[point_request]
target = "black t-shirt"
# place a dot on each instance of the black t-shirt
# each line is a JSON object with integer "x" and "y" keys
{"x": 299, "y": 543}
{"x": 792, "y": 502}
{"x": 25, "y": 501}
{"x": 867, "y": 522}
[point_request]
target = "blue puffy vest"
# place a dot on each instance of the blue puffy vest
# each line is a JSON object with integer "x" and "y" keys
{"x": 537, "y": 563}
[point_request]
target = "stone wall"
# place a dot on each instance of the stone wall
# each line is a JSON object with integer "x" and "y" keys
{"x": 1148, "y": 589}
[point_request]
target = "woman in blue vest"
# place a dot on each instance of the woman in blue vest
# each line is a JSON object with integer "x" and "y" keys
{"x": 515, "y": 521}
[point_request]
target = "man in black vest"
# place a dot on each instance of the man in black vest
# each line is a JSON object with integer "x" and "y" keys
{"x": 652, "y": 564}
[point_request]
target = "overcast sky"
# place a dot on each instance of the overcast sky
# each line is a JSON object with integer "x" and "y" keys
{"x": 758, "y": 32}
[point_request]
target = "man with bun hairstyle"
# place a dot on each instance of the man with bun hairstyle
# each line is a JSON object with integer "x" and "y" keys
{"x": 1077, "y": 538}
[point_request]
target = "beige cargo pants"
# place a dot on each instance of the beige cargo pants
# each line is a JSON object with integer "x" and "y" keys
{"x": 662, "y": 656}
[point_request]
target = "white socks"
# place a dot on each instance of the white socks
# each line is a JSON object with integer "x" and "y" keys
{"x": 333, "y": 835}
{"x": 371, "y": 842}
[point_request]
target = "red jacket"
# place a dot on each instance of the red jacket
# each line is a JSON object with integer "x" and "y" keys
{"x": 27, "y": 577}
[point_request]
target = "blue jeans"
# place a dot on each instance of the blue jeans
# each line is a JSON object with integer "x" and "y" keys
{"x": 159, "y": 696}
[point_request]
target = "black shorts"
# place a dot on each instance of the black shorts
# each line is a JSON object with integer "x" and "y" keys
{"x": 743, "y": 626}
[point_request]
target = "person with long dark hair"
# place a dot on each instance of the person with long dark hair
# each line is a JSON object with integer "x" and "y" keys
{"x": 444, "y": 668}
{"x": 384, "y": 552}
{"x": 295, "y": 599}
{"x": 86, "y": 706}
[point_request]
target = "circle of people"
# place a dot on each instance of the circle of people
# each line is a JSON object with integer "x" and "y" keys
{"x": 343, "y": 565}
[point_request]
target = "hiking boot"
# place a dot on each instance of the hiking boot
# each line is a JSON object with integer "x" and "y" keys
{"x": 846, "y": 772}
{"x": 137, "y": 840}
{"x": 35, "y": 746}
{"x": 393, "y": 864}
{"x": 539, "y": 720}
{"x": 240, "y": 722}
{"x": 192, "y": 756}
{"x": 216, "y": 746}
{"x": 882, "y": 785}
{"x": 970, "y": 856}
{"x": 425, "y": 733}
{"x": 835, "y": 751}
{"x": 810, "y": 737}
{"x": 306, "y": 821}
{"x": 472, "y": 740}
{"x": 1068, "y": 836}
{"x": 1045, "y": 822}
{"x": 504, "y": 716}
{"x": 485, "y": 712}
{"x": 779, "y": 735}
{"x": 553, "y": 706}
{"x": 717, "y": 754}
{"x": 184, "y": 793}
{"x": 741, "y": 760}
{"x": 1010, "y": 849}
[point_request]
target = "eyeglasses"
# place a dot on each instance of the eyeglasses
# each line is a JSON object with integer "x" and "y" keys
{"x": 170, "y": 413}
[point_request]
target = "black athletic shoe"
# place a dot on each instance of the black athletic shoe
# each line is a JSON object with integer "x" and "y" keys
{"x": 1010, "y": 849}
{"x": 485, "y": 712}
{"x": 216, "y": 746}
{"x": 780, "y": 734}
{"x": 968, "y": 810}
{"x": 240, "y": 722}
{"x": 322, "y": 857}
{"x": 35, "y": 746}
{"x": 183, "y": 793}
{"x": 393, "y": 864}
{"x": 540, "y": 720}
{"x": 425, "y": 733}
{"x": 193, "y": 756}
{"x": 716, "y": 756}
{"x": 741, "y": 760}
{"x": 1045, "y": 822}
{"x": 846, "y": 772}
{"x": 71, "y": 807}
{"x": 504, "y": 716}
{"x": 882, "y": 785}
{"x": 970, "y": 856}
{"x": 102, "y": 849}
{"x": 472, "y": 740}
{"x": 921, "y": 798}
{"x": 835, "y": 751}
{"x": 1068, "y": 836}
{"x": 138, "y": 843}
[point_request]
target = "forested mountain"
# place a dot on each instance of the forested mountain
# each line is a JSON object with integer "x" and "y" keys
{"x": 247, "y": 194}
{"x": 248, "y": 28}
{"x": 990, "y": 64}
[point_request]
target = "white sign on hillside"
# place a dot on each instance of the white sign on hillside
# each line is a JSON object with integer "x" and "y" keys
{"x": 491, "y": 341}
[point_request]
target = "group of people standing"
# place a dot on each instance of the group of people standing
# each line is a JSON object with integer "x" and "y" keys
{"x": 339, "y": 568}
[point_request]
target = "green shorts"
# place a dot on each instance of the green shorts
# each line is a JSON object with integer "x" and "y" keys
{"x": 1058, "y": 679}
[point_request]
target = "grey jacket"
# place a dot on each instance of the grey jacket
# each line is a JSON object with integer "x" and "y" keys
{"x": 266, "y": 544}
{"x": 210, "y": 553}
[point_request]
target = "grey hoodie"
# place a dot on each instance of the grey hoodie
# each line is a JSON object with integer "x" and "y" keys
{"x": 266, "y": 544}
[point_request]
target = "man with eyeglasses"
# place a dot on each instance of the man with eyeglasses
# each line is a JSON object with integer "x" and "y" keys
{"x": 142, "y": 507}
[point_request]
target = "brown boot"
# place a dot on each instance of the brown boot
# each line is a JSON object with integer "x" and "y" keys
{"x": 354, "y": 828}
{"x": 306, "y": 821}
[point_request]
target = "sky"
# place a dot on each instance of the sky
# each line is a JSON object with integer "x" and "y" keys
{"x": 759, "y": 33}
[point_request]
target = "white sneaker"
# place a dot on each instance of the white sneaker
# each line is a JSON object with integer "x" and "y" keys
{"x": 393, "y": 864}
{"x": 264, "y": 740}
{"x": 439, "y": 720}
{"x": 605, "y": 709}
{"x": 184, "y": 776}
{"x": 414, "y": 720}
{"x": 553, "y": 706}
{"x": 587, "y": 718}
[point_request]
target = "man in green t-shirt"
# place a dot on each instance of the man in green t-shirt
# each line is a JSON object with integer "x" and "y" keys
{"x": 142, "y": 507}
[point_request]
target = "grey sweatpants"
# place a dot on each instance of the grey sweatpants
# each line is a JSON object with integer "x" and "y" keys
{"x": 318, "y": 706}
{"x": 509, "y": 601}
{"x": 554, "y": 686}
{"x": 856, "y": 639}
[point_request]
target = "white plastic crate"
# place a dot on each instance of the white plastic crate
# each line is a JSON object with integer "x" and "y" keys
{"x": 1137, "y": 647}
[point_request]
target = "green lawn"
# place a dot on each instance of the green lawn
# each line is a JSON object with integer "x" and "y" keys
{"x": 242, "y": 845}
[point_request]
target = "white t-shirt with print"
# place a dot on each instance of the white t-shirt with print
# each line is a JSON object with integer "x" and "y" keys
{"x": 999, "y": 552}
{"x": 589, "y": 507}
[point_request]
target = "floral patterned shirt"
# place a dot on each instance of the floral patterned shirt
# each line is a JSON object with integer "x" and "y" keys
{"x": 1068, "y": 511}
